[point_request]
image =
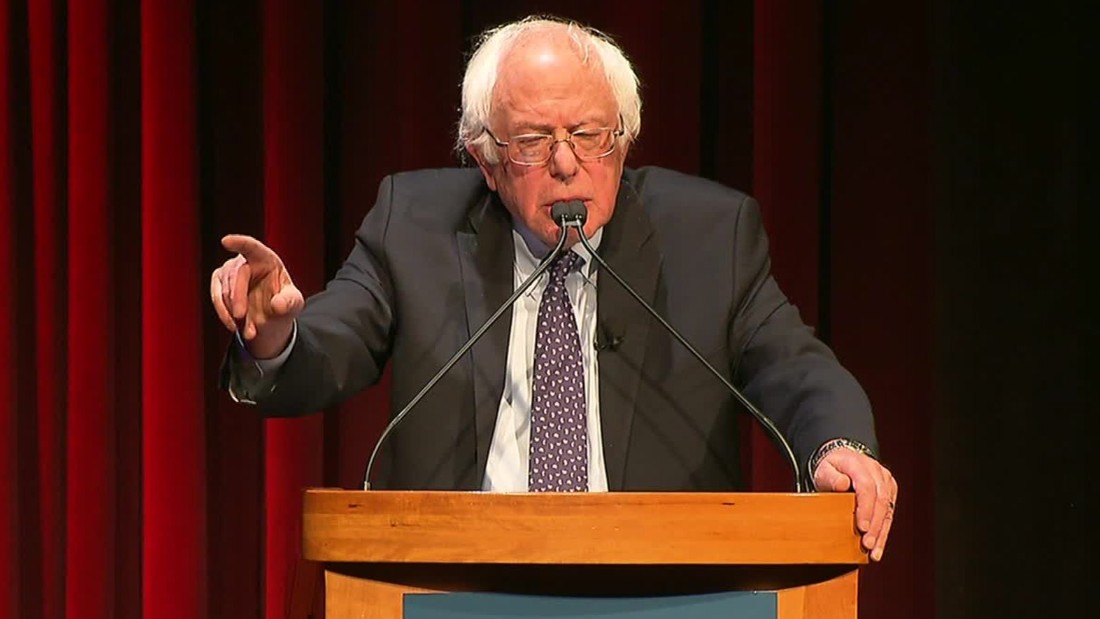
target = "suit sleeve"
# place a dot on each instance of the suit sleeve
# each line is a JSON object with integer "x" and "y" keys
{"x": 793, "y": 377}
{"x": 345, "y": 333}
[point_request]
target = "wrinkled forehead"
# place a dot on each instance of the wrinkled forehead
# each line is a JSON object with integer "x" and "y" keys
{"x": 551, "y": 71}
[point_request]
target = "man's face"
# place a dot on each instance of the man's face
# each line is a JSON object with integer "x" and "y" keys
{"x": 543, "y": 87}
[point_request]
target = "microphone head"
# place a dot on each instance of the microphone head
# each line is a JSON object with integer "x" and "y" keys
{"x": 568, "y": 212}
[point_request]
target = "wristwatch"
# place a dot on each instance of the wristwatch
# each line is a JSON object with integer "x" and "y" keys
{"x": 832, "y": 445}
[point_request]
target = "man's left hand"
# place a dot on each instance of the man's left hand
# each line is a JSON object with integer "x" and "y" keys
{"x": 876, "y": 493}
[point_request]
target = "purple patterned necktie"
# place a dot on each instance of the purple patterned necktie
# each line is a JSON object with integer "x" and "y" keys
{"x": 559, "y": 425}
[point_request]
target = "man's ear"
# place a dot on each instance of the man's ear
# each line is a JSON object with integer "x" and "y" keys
{"x": 486, "y": 168}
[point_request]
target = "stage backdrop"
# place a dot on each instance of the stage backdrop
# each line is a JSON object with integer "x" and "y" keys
{"x": 133, "y": 135}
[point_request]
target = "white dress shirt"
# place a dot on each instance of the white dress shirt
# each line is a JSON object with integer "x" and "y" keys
{"x": 507, "y": 465}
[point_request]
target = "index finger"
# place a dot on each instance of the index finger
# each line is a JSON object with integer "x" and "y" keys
{"x": 253, "y": 251}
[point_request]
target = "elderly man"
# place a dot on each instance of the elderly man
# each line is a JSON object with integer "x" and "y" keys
{"x": 577, "y": 388}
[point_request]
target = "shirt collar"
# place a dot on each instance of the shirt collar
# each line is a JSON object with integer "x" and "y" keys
{"x": 530, "y": 249}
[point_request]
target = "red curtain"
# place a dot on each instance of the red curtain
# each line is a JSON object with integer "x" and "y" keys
{"x": 134, "y": 134}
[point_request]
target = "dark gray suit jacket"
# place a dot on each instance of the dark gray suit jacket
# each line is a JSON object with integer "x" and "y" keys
{"x": 433, "y": 259}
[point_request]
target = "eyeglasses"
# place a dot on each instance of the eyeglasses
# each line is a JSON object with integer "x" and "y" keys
{"x": 532, "y": 149}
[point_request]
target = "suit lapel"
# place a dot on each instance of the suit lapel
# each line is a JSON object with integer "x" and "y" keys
{"x": 486, "y": 254}
{"x": 628, "y": 248}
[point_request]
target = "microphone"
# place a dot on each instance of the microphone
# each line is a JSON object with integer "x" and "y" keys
{"x": 608, "y": 338}
{"x": 559, "y": 213}
{"x": 576, "y": 206}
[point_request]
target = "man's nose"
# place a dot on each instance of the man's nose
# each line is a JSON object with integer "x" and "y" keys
{"x": 563, "y": 161}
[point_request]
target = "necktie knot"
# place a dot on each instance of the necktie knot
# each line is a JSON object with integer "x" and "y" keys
{"x": 563, "y": 265}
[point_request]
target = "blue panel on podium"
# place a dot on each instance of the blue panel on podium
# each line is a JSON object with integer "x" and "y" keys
{"x": 734, "y": 605}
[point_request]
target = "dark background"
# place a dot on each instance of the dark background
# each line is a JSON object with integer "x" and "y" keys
{"x": 922, "y": 172}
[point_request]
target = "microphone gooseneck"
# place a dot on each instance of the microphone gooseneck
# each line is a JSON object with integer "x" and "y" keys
{"x": 543, "y": 266}
{"x": 769, "y": 427}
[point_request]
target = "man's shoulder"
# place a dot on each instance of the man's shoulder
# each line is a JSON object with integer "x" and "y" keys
{"x": 438, "y": 179}
{"x": 432, "y": 197}
{"x": 654, "y": 183}
{"x": 661, "y": 189}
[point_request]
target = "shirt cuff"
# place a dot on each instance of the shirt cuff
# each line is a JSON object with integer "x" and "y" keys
{"x": 249, "y": 376}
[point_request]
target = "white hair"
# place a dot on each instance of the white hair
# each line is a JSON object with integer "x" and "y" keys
{"x": 492, "y": 47}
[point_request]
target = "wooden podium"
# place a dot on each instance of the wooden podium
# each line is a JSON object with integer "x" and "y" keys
{"x": 377, "y": 545}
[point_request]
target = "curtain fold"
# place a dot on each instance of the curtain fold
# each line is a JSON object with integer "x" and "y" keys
{"x": 9, "y": 496}
{"x": 90, "y": 454}
{"x": 293, "y": 181}
{"x": 43, "y": 577}
{"x": 174, "y": 566}
{"x": 231, "y": 169}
